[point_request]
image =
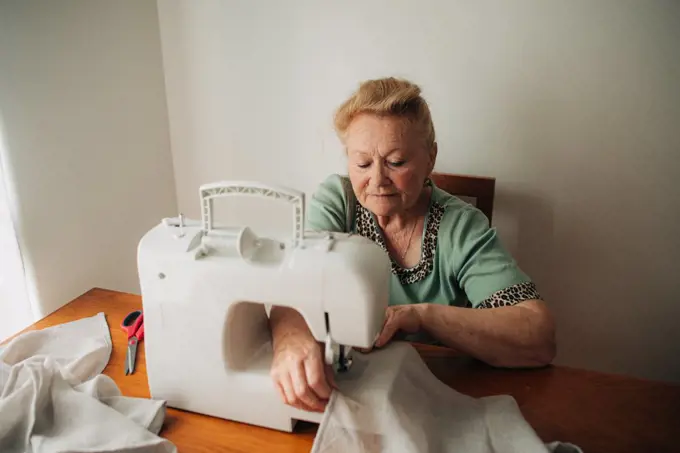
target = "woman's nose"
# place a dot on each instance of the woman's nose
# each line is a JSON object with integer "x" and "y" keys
{"x": 378, "y": 175}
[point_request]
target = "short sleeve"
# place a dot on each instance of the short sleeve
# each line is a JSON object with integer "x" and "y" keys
{"x": 484, "y": 269}
{"x": 326, "y": 210}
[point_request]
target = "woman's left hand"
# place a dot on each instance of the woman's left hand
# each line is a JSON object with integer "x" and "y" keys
{"x": 405, "y": 318}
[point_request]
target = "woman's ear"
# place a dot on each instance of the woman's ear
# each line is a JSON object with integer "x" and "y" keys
{"x": 433, "y": 157}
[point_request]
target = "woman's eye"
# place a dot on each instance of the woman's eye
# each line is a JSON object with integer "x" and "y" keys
{"x": 363, "y": 165}
{"x": 397, "y": 164}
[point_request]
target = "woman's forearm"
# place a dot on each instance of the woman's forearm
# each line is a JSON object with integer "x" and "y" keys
{"x": 522, "y": 335}
{"x": 284, "y": 321}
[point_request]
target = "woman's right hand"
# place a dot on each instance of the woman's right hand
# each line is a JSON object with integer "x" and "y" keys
{"x": 298, "y": 368}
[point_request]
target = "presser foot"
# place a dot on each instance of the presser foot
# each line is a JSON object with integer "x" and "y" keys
{"x": 339, "y": 357}
{"x": 344, "y": 360}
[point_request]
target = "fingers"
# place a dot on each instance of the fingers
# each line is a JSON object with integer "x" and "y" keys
{"x": 287, "y": 391}
{"x": 279, "y": 388}
{"x": 389, "y": 329}
{"x": 302, "y": 389}
{"x": 330, "y": 377}
{"x": 295, "y": 389}
{"x": 316, "y": 378}
{"x": 283, "y": 383}
{"x": 301, "y": 377}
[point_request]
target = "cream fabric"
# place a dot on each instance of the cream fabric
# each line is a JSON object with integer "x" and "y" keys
{"x": 54, "y": 399}
{"x": 389, "y": 401}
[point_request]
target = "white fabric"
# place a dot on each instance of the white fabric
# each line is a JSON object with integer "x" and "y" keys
{"x": 53, "y": 397}
{"x": 389, "y": 401}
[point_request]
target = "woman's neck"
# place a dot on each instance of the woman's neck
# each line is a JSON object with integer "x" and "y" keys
{"x": 407, "y": 218}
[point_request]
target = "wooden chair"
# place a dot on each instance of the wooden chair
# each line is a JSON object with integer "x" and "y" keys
{"x": 478, "y": 190}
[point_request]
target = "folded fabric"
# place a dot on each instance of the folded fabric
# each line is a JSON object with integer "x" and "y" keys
{"x": 54, "y": 399}
{"x": 389, "y": 401}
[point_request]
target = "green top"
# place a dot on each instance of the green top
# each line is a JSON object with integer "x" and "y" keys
{"x": 463, "y": 262}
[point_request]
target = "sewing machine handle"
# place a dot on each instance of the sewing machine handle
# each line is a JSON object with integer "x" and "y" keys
{"x": 296, "y": 198}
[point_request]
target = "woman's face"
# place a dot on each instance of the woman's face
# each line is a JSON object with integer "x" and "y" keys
{"x": 388, "y": 163}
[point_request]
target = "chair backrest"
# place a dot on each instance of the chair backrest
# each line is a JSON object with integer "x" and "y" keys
{"x": 478, "y": 190}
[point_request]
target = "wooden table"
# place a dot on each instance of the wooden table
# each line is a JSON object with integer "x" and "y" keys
{"x": 599, "y": 412}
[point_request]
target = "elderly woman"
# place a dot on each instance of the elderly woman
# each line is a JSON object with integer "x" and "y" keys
{"x": 451, "y": 280}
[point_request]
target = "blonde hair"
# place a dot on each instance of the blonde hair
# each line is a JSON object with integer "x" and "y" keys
{"x": 387, "y": 97}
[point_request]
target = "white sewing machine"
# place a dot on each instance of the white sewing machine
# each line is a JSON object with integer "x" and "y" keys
{"x": 204, "y": 292}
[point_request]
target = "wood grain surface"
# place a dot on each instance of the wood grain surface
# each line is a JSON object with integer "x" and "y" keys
{"x": 601, "y": 413}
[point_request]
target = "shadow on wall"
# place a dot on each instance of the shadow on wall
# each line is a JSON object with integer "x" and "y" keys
{"x": 15, "y": 301}
{"x": 531, "y": 220}
{"x": 527, "y": 225}
{"x": 578, "y": 270}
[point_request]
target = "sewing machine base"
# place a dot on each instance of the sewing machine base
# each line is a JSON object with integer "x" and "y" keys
{"x": 257, "y": 408}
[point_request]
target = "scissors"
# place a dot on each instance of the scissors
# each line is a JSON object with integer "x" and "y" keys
{"x": 133, "y": 324}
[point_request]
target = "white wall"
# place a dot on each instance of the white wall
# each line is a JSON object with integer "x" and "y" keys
{"x": 15, "y": 305}
{"x": 82, "y": 101}
{"x": 573, "y": 106}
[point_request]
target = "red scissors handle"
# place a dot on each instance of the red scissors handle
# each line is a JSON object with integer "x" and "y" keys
{"x": 133, "y": 324}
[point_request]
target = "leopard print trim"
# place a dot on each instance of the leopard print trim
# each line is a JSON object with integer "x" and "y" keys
{"x": 367, "y": 227}
{"x": 511, "y": 296}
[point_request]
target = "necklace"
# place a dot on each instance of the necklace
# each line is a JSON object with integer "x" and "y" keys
{"x": 408, "y": 244}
